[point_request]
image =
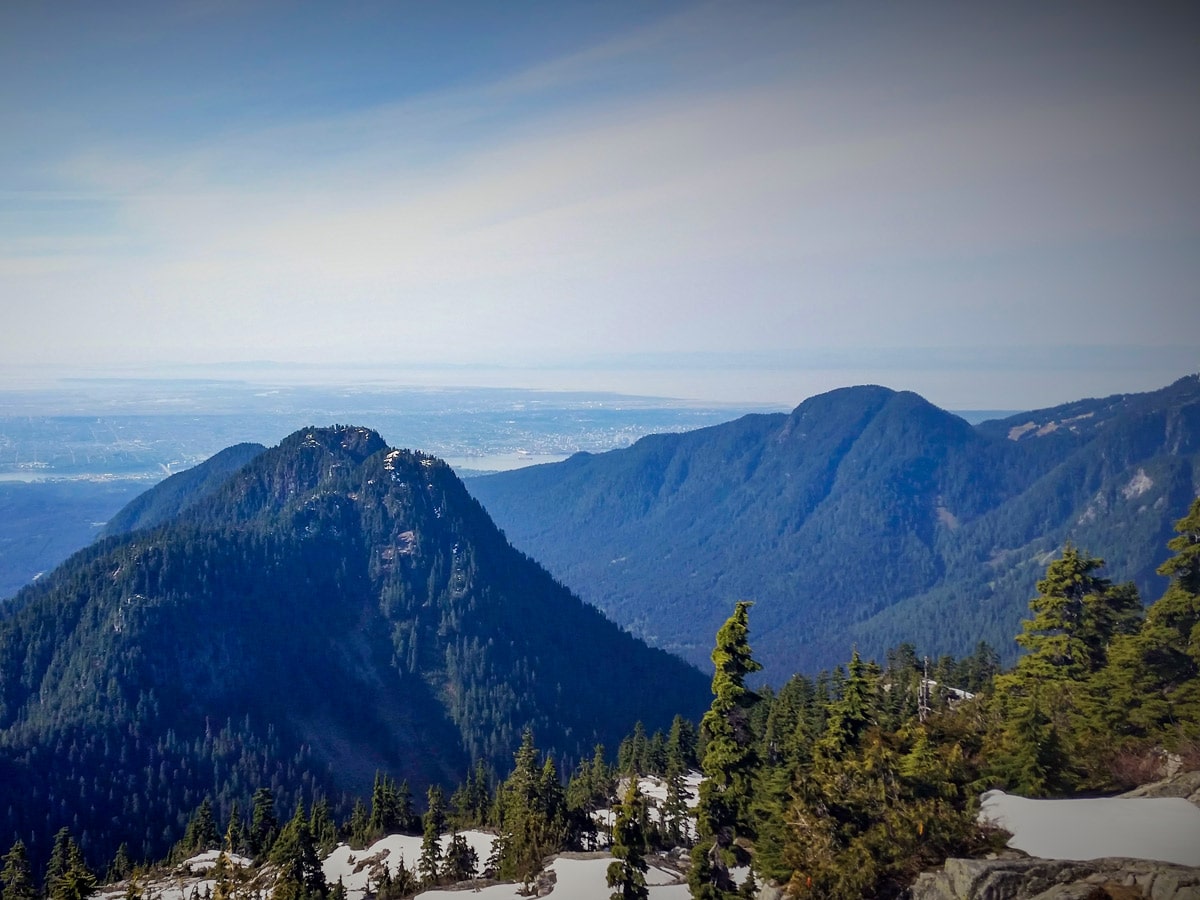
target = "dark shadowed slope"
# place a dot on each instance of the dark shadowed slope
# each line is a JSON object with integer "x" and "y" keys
{"x": 331, "y": 608}
{"x": 173, "y": 495}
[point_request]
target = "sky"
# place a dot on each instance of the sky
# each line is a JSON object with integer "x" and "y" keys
{"x": 995, "y": 205}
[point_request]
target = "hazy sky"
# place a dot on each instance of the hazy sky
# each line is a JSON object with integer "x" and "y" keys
{"x": 997, "y": 205}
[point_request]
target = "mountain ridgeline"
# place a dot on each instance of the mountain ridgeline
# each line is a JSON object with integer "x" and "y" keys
{"x": 865, "y": 517}
{"x": 299, "y": 618}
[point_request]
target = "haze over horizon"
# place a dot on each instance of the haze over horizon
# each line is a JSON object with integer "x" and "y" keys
{"x": 994, "y": 207}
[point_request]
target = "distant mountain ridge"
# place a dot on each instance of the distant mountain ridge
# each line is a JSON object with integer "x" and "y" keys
{"x": 866, "y": 516}
{"x": 329, "y": 607}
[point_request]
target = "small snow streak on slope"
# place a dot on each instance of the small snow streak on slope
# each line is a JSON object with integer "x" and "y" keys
{"x": 1138, "y": 485}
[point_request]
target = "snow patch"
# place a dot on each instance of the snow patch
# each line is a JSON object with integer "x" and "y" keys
{"x": 1166, "y": 829}
{"x": 356, "y": 867}
{"x": 575, "y": 879}
{"x": 204, "y": 861}
{"x": 1138, "y": 485}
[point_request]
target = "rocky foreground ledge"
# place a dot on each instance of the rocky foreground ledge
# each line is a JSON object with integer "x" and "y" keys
{"x": 1020, "y": 877}
{"x": 1058, "y": 879}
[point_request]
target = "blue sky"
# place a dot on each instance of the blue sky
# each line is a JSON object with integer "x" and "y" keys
{"x": 995, "y": 205}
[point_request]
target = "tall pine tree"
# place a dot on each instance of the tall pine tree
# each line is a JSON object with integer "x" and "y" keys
{"x": 730, "y": 760}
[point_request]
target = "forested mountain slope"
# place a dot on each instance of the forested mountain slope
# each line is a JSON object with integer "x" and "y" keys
{"x": 173, "y": 495}
{"x": 866, "y": 516}
{"x": 332, "y": 608}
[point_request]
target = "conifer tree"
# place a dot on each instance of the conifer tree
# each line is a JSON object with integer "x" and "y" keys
{"x": 121, "y": 864}
{"x": 295, "y": 856}
{"x": 223, "y": 887}
{"x": 461, "y": 859}
{"x": 1170, "y": 639}
{"x": 532, "y": 814}
{"x": 627, "y": 872}
{"x": 1075, "y": 615}
{"x": 359, "y": 824}
{"x": 681, "y": 744}
{"x": 71, "y": 880}
{"x": 407, "y": 819}
{"x": 264, "y": 827}
{"x": 201, "y": 832}
{"x": 324, "y": 831}
{"x": 385, "y": 807}
{"x": 1033, "y": 761}
{"x": 60, "y": 855}
{"x": 429, "y": 866}
{"x": 729, "y": 760}
{"x": 17, "y": 876}
{"x": 675, "y": 819}
{"x": 235, "y": 831}
{"x": 854, "y": 712}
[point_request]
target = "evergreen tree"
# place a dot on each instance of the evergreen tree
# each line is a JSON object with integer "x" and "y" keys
{"x": 729, "y": 763}
{"x": 264, "y": 827}
{"x": 407, "y": 819}
{"x": 324, "y": 831}
{"x": 1075, "y": 615}
{"x": 295, "y": 856}
{"x": 429, "y": 866}
{"x": 75, "y": 881}
{"x": 681, "y": 745}
{"x": 60, "y": 855}
{"x": 359, "y": 825}
{"x": 854, "y": 712}
{"x": 223, "y": 882}
{"x": 17, "y": 875}
{"x": 201, "y": 832}
{"x": 1033, "y": 761}
{"x": 675, "y": 818}
{"x": 121, "y": 864}
{"x": 627, "y": 872}
{"x": 385, "y": 807}
{"x": 1148, "y": 693}
{"x": 532, "y": 813}
{"x": 1170, "y": 639}
{"x": 235, "y": 831}
{"x": 461, "y": 859}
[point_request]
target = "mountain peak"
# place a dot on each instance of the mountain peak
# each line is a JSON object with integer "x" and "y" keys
{"x": 861, "y": 395}
{"x": 342, "y": 608}
{"x": 353, "y": 441}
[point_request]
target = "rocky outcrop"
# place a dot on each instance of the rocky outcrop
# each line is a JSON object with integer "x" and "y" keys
{"x": 1056, "y": 879}
{"x": 1183, "y": 784}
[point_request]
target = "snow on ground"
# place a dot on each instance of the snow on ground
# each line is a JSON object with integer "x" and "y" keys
{"x": 204, "y": 861}
{"x": 575, "y": 879}
{"x": 1158, "y": 828}
{"x": 354, "y": 867}
{"x": 184, "y": 880}
{"x": 654, "y": 789}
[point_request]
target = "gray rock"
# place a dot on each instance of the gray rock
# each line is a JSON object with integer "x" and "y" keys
{"x": 1056, "y": 879}
{"x": 1185, "y": 784}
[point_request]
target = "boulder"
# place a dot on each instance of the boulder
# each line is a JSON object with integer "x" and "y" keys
{"x": 1056, "y": 879}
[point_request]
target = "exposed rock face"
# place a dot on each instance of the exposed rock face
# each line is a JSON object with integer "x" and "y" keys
{"x": 1050, "y": 879}
{"x": 1183, "y": 784}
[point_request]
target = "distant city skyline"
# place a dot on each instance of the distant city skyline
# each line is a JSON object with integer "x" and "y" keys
{"x": 996, "y": 207}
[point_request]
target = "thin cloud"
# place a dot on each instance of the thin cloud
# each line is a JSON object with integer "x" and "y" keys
{"x": 732, "y": 195}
